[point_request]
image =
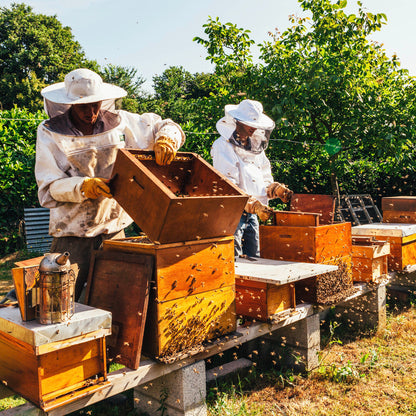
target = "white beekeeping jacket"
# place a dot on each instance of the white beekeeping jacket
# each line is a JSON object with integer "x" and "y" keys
{"x": 64, "y": 161}
{"x": 249, "y": 171}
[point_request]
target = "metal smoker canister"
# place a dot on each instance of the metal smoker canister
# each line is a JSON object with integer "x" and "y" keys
{"x": 56, "y": 289}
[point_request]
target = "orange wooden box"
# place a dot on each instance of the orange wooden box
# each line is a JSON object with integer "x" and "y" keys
{"x": 399, "y": 209}
{"x": 261, "y": 301}
{"x": 298, "y": 237}
{"x": 369, "y": 259}
{"x": 402, "y": 239}
{"x": 192, "y": 298}
{"x": 56, "y": 372}
{"x": 184, "y": 201}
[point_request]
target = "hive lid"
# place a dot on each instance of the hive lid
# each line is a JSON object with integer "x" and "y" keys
{"x": 385, "y": 229}
{"x": 85, "y": 320}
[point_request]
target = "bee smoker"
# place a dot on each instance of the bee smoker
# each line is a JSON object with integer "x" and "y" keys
{"x": 56, "y": 289}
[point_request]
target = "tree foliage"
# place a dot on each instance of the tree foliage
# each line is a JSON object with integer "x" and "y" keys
{"x": 35, "y": 50}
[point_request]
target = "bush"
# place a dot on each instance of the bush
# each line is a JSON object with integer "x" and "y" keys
{"x": 17, "y": 179}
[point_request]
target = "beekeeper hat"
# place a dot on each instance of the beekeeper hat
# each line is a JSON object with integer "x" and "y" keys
{"x": 250, "y": 112}
{"x": 82, "y": 86}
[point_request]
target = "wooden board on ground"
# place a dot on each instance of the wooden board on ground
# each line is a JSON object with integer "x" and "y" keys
{"x": 119, "y": 283}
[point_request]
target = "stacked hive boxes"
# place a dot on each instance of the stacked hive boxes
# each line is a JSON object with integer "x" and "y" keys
{"x": 189, "y": 213}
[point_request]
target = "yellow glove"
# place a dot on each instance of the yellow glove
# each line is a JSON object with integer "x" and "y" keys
{"x": 95, "y": 187}
{"x": 165, "y": 150}
{"x": 254, "y": 206}
{"x": 279, "y": 190}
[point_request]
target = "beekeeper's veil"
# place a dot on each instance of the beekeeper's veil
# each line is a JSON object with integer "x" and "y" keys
{"x": 250, "y": 113}
{"x": 80, "y": 86}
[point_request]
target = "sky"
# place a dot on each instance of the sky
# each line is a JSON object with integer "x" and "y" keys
{"x": 153, "y": 35}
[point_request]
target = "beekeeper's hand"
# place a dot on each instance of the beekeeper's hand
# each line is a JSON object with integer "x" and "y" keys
{"x": 279, "y": 190}
{"x": 94, "y": 187}
{"x": 254, "y": 206}
{"x": 165, "y": 150}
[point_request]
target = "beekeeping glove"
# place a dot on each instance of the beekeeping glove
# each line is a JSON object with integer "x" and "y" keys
{"x": 94, "y": 187}
{"x": 165, "y": 150}
{"x": 279, "y": 190}
{"x": 254, "y": 206}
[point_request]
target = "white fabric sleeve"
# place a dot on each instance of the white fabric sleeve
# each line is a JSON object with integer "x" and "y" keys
{"x": 54, "y": 185}
{"x": 225, "y": 160}
{"x": 266, "y": 171}
{"x": 146, "y": 128}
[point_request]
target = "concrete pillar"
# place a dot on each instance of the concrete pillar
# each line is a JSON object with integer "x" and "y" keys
{"x": 365, "y": 311}
{"x": 295, "y": 346}
{"x": 180, "y": 393}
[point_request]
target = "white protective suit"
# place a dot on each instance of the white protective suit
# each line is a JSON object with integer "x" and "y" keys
{"x": 249, "y": 171}
{"x": 64, "y": 161}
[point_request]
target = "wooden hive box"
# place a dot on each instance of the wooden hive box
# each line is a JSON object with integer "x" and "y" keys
{"x": 402, "y": 239}
{"x": 265, "y": 289}
{"x": 299, "y": 237}
{"x": 399, "y": 209}
{"x": 51, "y": 365}
{"x": 193, "y": 292}
{"x": 184, "y": 201}
{"x": 369, "y": 259}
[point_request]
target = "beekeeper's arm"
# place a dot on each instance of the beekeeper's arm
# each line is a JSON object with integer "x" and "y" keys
{"x": 149, "y": 131}
{"x": 54, "y": 184}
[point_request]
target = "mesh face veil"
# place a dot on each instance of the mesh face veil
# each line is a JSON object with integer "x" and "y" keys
{"x": 250, "y": 114}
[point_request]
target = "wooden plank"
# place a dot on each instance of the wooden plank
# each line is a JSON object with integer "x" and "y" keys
{"x": 119, "y": 283}
{"x": 277, "y": 271}
{"x": 322, "y": 204}
{"x": 297, "y": 219}
{"x": 398, "y": 203}
{"x": 407, "y": 217}
{"x": 371, "y": 252}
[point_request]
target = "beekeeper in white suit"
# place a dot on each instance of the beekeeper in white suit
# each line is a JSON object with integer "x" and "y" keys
{"x": 75, "y": 152}
{"x": 239, "y": 155}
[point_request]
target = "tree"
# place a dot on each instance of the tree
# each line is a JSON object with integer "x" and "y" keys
{"x": 128, "y": 79}
{"x": 334, "y": 87}
{"x": 35, "y": 50}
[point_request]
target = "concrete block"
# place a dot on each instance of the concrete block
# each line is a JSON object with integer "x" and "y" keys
{"x": 233, "y": 367}
{"x": 367, "y": 310}
{"x": 296, "y": 345}
{"x": 180, "y": 393}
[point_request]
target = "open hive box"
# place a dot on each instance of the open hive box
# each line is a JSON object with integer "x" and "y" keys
{"x": 192, "y": 296}
{"x": 399, "y": 209}
{"x": 402, "y": 239}
{"x": 184, "y": 201}
{"x": 369, "y": 259}
{"x": 297, "y": 236}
